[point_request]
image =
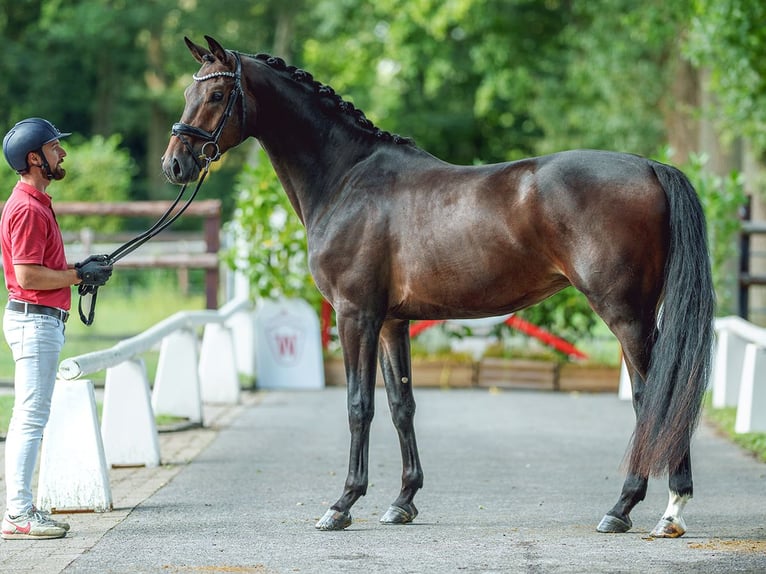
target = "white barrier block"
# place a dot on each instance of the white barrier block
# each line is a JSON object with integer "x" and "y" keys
{"x": 288, "y": 346}
{"x": 625, "y": 389}
{"x": 176, "y": 389}
{"x": 127, "y": 423}
{"x": 751, "y": 408}
{"x": 73, "y": 472}
{"x": 727, "y": 371}
{"x": 219, "y": 381}
{"x": 242, "y": 325}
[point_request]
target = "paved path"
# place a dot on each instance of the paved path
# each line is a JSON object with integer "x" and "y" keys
{"x": 515, "y": 482}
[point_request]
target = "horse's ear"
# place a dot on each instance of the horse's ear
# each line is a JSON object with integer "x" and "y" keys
{"x": 198, "y": 52}
{"x": 217, "y": 50}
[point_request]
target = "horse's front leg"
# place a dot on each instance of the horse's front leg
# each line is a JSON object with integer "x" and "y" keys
{"x": 359, "y": 338}
{"x": 396, "y": 368}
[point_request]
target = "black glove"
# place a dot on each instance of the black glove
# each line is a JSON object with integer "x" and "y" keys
{"x": 95, "y": 270}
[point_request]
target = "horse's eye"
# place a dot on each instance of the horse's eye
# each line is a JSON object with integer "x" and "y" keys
{"x": 216, "y": 97}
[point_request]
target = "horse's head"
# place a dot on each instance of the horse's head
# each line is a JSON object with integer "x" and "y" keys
{"x": 208, "y": 125}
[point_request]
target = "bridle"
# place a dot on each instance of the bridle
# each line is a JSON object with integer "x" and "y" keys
{"x": 181, "y": 129}
{"x": 203, "y": 161}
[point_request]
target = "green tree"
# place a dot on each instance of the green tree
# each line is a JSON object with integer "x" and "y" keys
{"x": 728, "y": 38}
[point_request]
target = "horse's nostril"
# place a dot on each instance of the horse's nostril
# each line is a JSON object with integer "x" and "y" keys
{"x": 176, "y": 168}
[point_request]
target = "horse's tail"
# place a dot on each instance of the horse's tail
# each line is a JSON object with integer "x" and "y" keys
{"x": 679, "y": 367}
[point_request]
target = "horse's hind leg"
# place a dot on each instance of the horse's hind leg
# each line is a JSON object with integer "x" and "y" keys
{"x": 635, "y": 337}
{"x": 634, "y": 487}
{"x": 680, "y": 487}
{"x": 672, "y": 524}
{"x": 396, "y": 367}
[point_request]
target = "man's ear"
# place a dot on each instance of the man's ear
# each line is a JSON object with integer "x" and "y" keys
{"x": 33, "y": 158}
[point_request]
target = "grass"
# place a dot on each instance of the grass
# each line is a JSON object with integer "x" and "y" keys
{"x": 6, "y": 404}
{"x": 724, "y": 419}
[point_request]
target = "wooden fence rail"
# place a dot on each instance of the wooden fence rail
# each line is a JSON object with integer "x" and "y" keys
{"x": 209, "y": 210}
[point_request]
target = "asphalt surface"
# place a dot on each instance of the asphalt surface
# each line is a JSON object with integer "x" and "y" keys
{"x": 514, "y": 482}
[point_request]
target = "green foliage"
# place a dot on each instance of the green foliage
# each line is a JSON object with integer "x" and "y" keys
{"x": 729, "y": 40}
{"x": 721, "y": 198}
{"x": 98, "y": 170}
{"x": 567, "y": 315}
{"x": 269, "y": 239}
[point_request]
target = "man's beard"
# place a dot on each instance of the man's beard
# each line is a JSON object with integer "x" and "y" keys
{"x": 58, "y": 173}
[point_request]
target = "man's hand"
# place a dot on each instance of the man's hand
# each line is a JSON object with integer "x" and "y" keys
{"x": 95, "y": 270}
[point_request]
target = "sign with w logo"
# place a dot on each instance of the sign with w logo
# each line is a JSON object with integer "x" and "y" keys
{"x": 286, "y": 341}
{"x": 288, "y": 349}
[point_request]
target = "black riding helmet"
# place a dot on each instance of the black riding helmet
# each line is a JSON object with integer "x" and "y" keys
{"x": 28, "y": 135}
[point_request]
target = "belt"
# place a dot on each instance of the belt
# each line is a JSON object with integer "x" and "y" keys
{"x": 27, "y": 308}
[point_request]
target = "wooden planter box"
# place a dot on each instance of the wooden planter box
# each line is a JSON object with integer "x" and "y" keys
{"x": 499, "y": 373}
{"x": 425, "y": 373}
{"x": 518, "y": 374}
{"x": 589, "y": 378}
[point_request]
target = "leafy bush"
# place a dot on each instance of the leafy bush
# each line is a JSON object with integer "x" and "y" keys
{"x": 269, "y": 239}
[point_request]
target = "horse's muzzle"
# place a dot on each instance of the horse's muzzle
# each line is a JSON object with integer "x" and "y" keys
{"x": 180, "y": 168}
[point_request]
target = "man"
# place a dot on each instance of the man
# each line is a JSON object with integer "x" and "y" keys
{"x": 39, "y": 283}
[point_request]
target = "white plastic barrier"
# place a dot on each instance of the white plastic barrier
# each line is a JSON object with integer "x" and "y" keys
{"x": 288, "y": 346}
{"x": 219, "y": 381}
{"x": 625, "y": 389}
{"x": 751, "y": 409}
{"x": 73, "y": 471}
{"x": 76, "y": 454}
{"x": 739, "y": 373}
{"x": 127, "y": 422}
{"x": 176, "y": 389}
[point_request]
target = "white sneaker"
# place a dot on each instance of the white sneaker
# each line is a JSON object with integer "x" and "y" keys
{"x": 32, "y": 525}
{"x": 49, "y": 517}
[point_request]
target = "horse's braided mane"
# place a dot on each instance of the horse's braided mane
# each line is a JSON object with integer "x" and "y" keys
{"x": 330, "y": 98}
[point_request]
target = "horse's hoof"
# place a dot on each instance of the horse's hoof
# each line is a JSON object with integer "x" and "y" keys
{"x": 613, "y": 525}
{"x": 399, "y": 515}
{"x": 334, "y": 520}
{"x": 669, "y": 528}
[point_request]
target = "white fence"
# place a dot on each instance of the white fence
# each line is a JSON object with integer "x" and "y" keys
{"x": 739, "y": 372}
{"x": 77, "y": 452}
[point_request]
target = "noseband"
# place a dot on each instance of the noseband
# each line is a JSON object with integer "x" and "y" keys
{"x": 181, "y": 129}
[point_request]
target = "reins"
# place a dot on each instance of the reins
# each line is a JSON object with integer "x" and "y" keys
{"x": 88, "y": 293}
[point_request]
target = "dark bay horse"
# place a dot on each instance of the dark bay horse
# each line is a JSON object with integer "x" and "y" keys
{"x": 395, "y": 234}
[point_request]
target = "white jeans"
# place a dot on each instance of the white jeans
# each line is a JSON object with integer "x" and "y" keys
{"x": 35, "y": 342}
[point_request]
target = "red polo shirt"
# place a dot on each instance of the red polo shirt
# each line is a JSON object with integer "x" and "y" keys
{"x": 30, "y": 234}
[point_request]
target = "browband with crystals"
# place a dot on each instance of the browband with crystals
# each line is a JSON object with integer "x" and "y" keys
{"x": 213, "y": 75}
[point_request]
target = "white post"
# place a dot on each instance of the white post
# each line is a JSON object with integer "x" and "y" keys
{"x": 73, "y": 472}
{"x": 176, "y": 385}
{"x": 730, "y": 352}
{"x": 242, "y": 325}
{"x": 751, "y": 409}
{"x": 625, "y": 390}
{"x": 127, "y": 426}
{"x": 219, "y": 380}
